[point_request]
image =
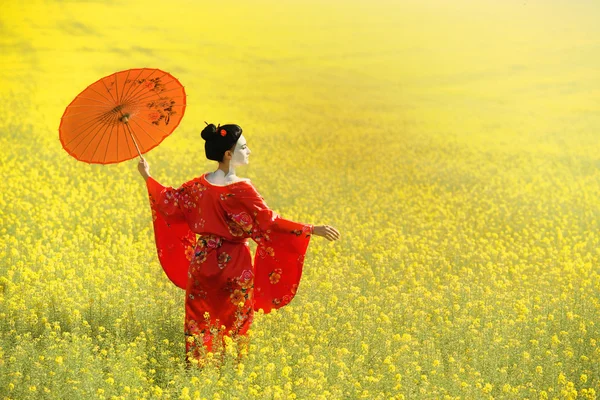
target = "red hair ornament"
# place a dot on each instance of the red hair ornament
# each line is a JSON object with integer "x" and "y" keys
{"x": 223, "y": 131}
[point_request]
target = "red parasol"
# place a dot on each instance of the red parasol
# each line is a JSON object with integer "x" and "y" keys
{"x": 122, "y": 115}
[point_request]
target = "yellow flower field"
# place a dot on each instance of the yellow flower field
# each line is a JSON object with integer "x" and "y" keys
{"x": 455, "y": 146}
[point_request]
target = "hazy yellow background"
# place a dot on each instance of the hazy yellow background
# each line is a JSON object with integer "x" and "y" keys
{"x": 513, "y": 68}
{"x": 453, "y": 143}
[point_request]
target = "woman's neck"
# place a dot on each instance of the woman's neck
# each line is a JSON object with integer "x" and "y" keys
{"x": 222, "y": 176}
{"x": 225, "y": 170}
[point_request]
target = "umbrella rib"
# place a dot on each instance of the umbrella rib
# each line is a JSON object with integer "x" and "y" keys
{"x": 100, "y": 141}
{"x": 98, "y": 118}
{"x": 99, "y": 101}
{"x": 145, "y": 104}
{"x": 124, "y": 82}
{"x": 107, "y": 99}
{"x": 101, "y": 120}
{"x": 90, "y": 130}
{"x": 131, "y": 84}
{"x": 84, "y": 112}
{"x": 84, "y": 105}
{"x": 109, "y": 136}
{"x": 158, "y": 94}
{"x": 156, "y": 127}
{"x": 90, "y": 142}
{"x": 144, "y": 131}
{"x": 127, "y": 103}
{"x": 93, "y": 118}
{"x": 85, "y": 137}
{"x": 140, "y": 88}
{"x": 108, "y": 90}
{"x": 116, "y": 88}
{"x": 164, "y": 91}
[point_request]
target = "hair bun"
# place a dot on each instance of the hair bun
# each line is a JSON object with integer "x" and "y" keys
{"x": 209, "y": 132}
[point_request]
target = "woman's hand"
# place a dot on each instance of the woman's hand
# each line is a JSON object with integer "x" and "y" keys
{"x": 328, "y": 232}
{"x": 144, "y": 168}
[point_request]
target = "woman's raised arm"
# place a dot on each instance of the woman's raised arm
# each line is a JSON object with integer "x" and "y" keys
{"x": 144, "y": 169}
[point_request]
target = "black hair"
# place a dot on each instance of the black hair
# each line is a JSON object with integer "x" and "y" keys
{"x": 220, "y": 139}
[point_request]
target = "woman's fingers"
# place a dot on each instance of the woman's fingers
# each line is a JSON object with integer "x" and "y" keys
{"x": 327, "y": 231}
{"x": 331, "y": 233}
{"x": 143, "y": 167}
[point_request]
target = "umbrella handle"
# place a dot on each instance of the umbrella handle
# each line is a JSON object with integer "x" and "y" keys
{"x": 125, "y": 119}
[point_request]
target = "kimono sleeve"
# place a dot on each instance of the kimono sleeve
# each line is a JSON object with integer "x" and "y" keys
{"x": 279, "y": 258}
{"x": 175, "y": 241}
{"x": 165, "y": 200}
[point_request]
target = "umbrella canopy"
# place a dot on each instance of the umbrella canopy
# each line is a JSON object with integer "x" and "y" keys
{"x": 122, "y": 115}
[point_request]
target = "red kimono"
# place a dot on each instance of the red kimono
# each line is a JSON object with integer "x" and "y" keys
{"x": 223, "y": 287}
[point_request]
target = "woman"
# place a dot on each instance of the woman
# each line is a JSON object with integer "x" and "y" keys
{"x": 223, "y": 286}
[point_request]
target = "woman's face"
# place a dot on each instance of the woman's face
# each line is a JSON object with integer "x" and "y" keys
{"x": 241, "y": 152}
